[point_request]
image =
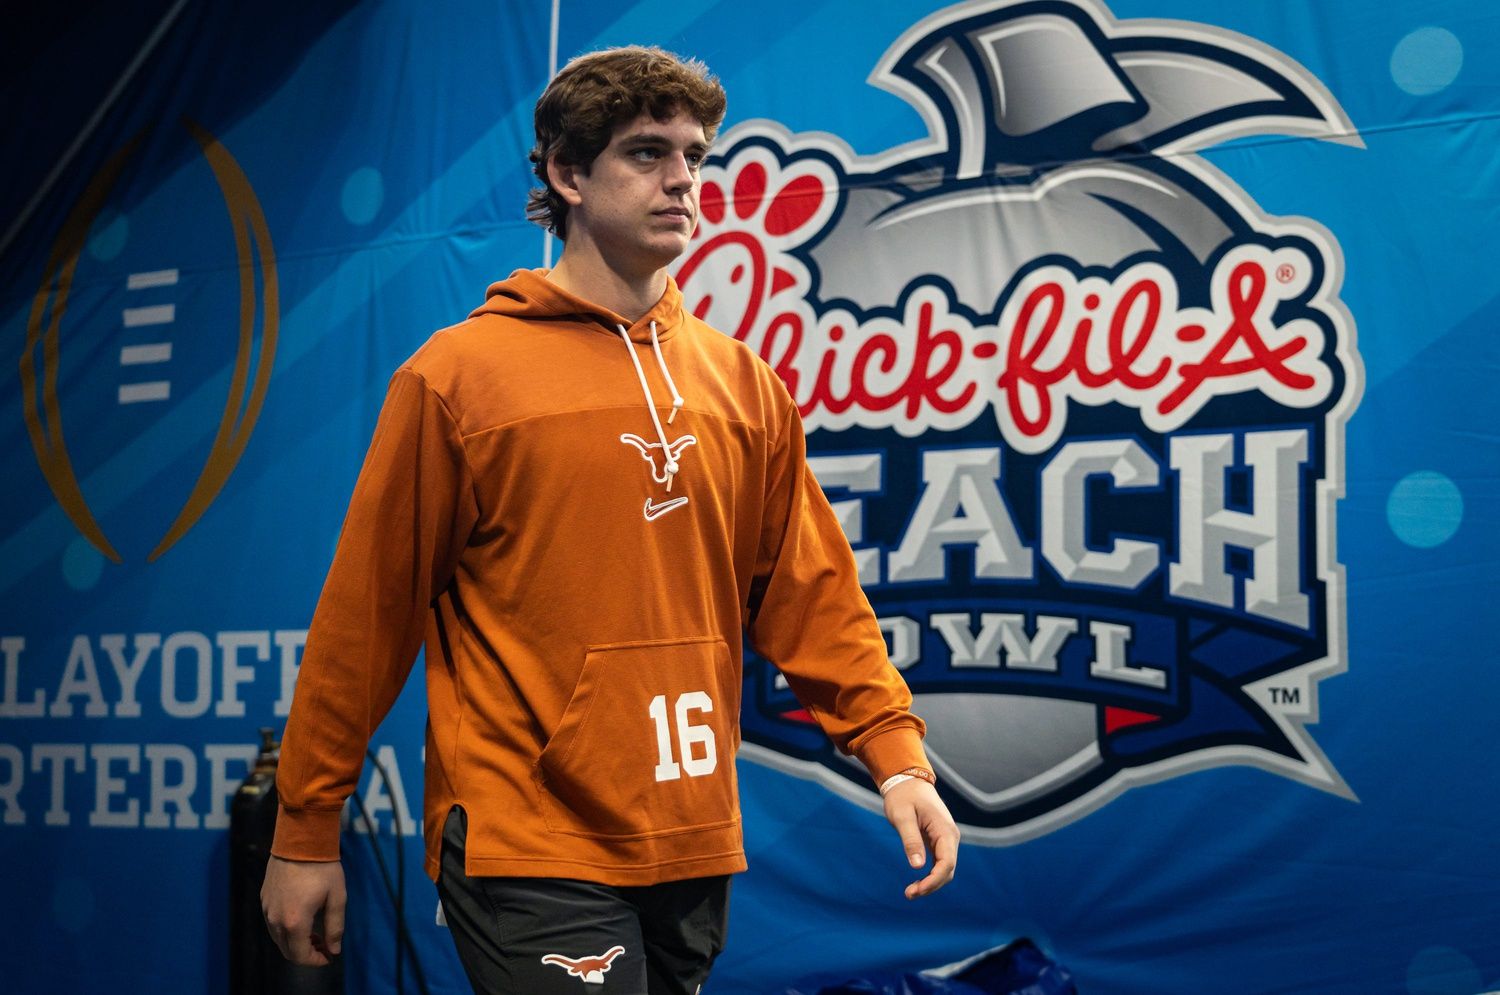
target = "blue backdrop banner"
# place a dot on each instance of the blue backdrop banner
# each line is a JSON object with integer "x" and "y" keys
{"x": 1145, "y": 350}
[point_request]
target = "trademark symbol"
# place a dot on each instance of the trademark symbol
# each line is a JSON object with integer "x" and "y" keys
{"x": 1286, "y": 273}
{"x": 1286, "y": 696}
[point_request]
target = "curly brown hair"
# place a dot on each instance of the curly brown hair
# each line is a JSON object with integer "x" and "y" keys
{"x": 593, "y": 94}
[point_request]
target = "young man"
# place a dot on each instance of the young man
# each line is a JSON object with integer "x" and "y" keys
{"x": 581, "y": 498}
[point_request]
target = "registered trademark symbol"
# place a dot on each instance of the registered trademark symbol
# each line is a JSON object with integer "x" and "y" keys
{"x": 1286, "y": 273}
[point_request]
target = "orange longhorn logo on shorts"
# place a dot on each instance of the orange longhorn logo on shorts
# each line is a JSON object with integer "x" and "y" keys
{"x": 590, "y": 969}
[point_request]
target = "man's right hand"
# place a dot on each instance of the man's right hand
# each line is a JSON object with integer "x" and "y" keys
{"x": 294, "y": 893}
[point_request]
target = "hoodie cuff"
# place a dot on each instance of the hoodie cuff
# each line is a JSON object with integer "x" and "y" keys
{"x": 893, "y": 752}
{"x": 307, "y": 834}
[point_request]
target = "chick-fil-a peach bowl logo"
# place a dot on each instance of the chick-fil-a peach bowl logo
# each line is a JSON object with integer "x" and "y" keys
{"x": 1078, "y": 402}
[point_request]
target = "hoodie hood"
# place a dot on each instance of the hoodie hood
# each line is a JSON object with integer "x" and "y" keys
{"x": 528, "y": 294}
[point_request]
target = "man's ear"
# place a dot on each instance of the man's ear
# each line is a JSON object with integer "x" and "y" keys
{"x": 563, "y": 178}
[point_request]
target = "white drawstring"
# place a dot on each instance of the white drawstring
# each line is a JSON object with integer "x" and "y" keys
{"x": 676, "y": 397}
{"x": 670, "y": 465}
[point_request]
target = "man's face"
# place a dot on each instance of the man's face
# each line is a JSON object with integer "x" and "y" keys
{"x": 638, "y": 202}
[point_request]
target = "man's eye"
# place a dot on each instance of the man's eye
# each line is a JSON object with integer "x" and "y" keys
{"x": 644, "y": 155}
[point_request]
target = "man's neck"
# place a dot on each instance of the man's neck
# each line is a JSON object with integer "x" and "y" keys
{"x": 584, "y": 272}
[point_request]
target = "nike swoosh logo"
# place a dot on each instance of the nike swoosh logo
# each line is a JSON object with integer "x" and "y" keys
{"x": 655, "y": 511}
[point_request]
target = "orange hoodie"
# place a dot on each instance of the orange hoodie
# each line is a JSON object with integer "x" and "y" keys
{"x": 581, "y": 564}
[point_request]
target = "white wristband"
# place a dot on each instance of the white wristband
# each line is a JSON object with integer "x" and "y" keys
{"x": 892, "y": 781}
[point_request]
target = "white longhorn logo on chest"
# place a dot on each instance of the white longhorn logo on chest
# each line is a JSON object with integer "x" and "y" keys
{"x": 663, "y": 459}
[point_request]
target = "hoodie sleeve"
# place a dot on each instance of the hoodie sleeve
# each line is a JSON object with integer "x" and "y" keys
{"x": 810, "y": 617}
{"x": 409, "y": 518}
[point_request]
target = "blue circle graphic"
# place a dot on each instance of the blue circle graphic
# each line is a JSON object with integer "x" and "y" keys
{"x": 82, "y": 564}
{"x": 1425, "y": 509}
{"x": 364, "y": 192}
{"x": 109, "y": 238}
{"x": 1442, "y": 971}
{"x": 73, "y": 904}
{"x": 1426, "y": 61}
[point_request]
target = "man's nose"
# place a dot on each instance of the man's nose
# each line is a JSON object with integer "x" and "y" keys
{"x": 679, "y": 173}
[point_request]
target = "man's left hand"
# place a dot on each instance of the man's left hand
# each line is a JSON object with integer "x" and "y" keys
{"x": 922, "y": 819}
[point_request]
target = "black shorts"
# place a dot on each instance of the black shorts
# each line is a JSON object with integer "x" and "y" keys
{"x": 537, "y": 936}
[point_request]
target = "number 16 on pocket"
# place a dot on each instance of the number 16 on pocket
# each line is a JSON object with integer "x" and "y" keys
{"x": 689, "y": 737}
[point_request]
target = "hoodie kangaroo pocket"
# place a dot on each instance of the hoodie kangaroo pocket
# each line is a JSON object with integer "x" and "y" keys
{"x": 646, "y": 744}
